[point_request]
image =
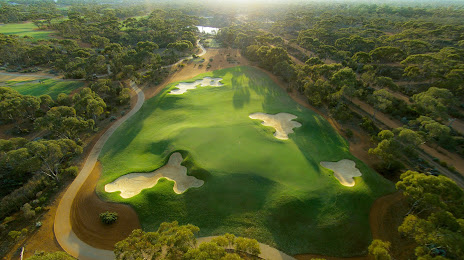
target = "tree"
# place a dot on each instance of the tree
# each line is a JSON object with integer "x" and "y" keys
{"x": 435, "y": 102}
{"x": 387, "y": 54}
{"x": 99, "y": 41}
{"x": 172, "y": 241}
{"x": 386, "y": 150}
{"x": 435, "y": 131}
{"x": 436, "y": 218}
{"x": 409, "y": 140}
{"x": 379, "y": 250}
{"x": 381, "y": 100}
{"x": 429, "y": 193}
{"x": 53, "y": 154}
{"x": 62, "y": 122}
{"x": 88, "y": 104}
{"x": 421, "y": 66}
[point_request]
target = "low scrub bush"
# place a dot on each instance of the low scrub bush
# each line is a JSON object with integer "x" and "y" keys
{"x": 108, "y": 217}
{"x": 27, "y": 210}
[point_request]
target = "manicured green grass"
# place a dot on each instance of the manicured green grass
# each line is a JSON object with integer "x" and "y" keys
{"x": 255, "y": 185}
{"x": 25, "y": 29}
{"x": 50, "y": 87}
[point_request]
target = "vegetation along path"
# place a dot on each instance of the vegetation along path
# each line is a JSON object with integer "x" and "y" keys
{"x": 63, "y": 229}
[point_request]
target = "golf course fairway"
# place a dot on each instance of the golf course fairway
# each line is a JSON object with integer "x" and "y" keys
{"x": 255, "y": 185}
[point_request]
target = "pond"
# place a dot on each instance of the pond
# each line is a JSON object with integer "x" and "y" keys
{"x": 208, "y": 30}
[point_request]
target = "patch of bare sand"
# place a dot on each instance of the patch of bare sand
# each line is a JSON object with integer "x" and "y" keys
{"x": 282, "y": 122}
{"x": 344, "y": 170}
{"x": 206, "y": 81}
{"x": 133, "y": 183}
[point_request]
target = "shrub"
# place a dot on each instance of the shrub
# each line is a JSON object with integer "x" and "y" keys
{"x": 71, "y": 171}
{"x": 8, "y": 219}
{"x": 369, "y": 126}
{"x": 349, "y": 133}
{"x": 108, "y": 217}
{"x": 38, "y": 209}
{"x": 27, "y": 210}
{"x": 12, "y": 202}
{"x": 14, "y": 235}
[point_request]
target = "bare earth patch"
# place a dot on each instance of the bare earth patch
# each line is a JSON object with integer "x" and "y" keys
{"x": 282, "y": 122}
{"x": 133, "y": 183}
{"x": 206, "y": 81}
{"x": 344, "y": 171}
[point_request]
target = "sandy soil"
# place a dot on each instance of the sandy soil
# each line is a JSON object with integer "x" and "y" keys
{"x": 282, "y": 122}
{"x": 85, "y": 216}
{"x": 132, "y": 184}
{"x": 206, "y": 81}
{"x": 344, "y": 170}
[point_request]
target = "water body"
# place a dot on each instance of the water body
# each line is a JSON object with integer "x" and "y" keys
{"x": 208, "y": 30}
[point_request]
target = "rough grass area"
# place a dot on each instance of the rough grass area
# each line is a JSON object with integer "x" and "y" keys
{"x": 212, "y": 43}
{"x": 50, "y": 87}
{"x": 25, "y": 29}
{"x": 255, "y": 185}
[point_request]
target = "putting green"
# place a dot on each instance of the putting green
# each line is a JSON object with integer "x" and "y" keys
{"x": 255, "y": 184}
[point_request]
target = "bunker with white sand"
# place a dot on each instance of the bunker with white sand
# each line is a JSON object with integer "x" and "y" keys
{"x": 206, "y": 81}
{"x": 344, "y": 170}
{"x": 282, "y": 122}
{"x": 132, "y": 184}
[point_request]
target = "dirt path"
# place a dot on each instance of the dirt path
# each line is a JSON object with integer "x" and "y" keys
{"x": 63, "y": 228}
{"x": 426, "y": 152}
{"x": 457, "y": 125}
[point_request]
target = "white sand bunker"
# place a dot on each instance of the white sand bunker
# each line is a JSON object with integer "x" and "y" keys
{"x": 206, "y": 81}
{"x": 282, "y": 122}
{"x": 133, "y": 183}
{"x": 344, "y": 171}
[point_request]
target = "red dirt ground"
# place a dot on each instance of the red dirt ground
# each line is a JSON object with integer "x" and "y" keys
{"x": 85, "y": 216}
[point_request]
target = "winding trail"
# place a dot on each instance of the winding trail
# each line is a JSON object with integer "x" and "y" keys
{"x": 203, "y": 52}
{"x": 62, "y": 226}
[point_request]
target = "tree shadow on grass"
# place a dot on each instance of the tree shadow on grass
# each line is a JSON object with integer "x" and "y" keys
{"x": 211, "y": 206}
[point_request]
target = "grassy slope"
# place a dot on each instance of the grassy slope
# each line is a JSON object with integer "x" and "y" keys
{"x": 23, "y": 29}
{"x": 48, "y": 87}
{"x": 255, "y": 185}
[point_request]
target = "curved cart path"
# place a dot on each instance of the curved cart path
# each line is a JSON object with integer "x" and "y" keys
{"x": 62, "y": 227}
